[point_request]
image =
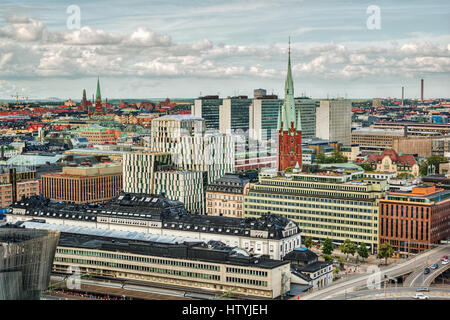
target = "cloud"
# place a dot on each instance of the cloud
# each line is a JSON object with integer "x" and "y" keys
{"x": 29, "y": 49}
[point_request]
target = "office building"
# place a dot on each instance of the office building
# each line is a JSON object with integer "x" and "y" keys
{"x": 307, "y": 108}
{"x": 271, "y": 235}
{"x": 234, "y": 115}
{"x": 263, "y": 118}
{"x": 207, "y": 107}
{"x": 83, "y": 184}
{"x": 184, "y": 159}
{"x": 334, "y": 121}
{"x": 411, "y": 221}
{"x": 333, "y": 202}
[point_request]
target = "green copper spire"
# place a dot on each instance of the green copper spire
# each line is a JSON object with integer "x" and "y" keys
{"x": 98, "y": 96}
{"x": 288, "y": 112}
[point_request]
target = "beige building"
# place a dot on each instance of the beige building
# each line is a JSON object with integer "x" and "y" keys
{"x": 392, "y": 162}
{"x": 224, "y": 197}
{"x": 368, "y": 137}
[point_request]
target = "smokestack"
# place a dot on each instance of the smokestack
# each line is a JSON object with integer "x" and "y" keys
{"x": 421, "y": 90}
{"x": 403, "y": 95}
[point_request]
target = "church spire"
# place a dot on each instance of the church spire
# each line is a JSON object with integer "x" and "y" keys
{"x": 98, "y": 96}
{"x": 288, "y": 112}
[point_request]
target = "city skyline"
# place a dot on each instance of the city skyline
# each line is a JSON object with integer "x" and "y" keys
{"x": 169, "y": 49}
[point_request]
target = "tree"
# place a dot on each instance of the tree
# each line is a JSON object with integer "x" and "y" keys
{"x": 385, "y": 251}
{"x": 366, "y": 167}
{"x": 321, "y": 158}
{"x": 432, "y": 161}
{"x": 308, "y": 242}
{"x": 351, "y": 248}
{"x": 327, "y": 246}
{"x": 348, "y": 247}
{"x": 363, "y": 252}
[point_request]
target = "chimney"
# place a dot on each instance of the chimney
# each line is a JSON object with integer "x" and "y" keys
{"x": 421, "y": 90}
{"x": 403, "y": 95}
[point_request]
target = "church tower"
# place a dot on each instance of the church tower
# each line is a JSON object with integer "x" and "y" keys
{"x": 98, "y": 101}
{"x": 289, "y": 127}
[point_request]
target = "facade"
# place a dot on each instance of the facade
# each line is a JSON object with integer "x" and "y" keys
{"x": 352, "y": 152}
{"x": 289, "y": 127}
{"x": 26, "y": 258}
{"x": 329, "y": 203}
{"x": 234, "y": 114}
{"x": 213, "y": 269}
{"x": 207, "y": 107}
{"x": 224, "y": 197}
{"x": 307, "y": 108}
{"x": 271, "y": 235}
{"x": 99, "y": 135}
{"x": 184, "y": 159}
{"x": 412, "y": 221}
{"x": 17, "y": 182}
{"x": 98, "y": 183}
{"x": 368, "y": 138}
{"x": 263, "y": 118}
{"x": 392, "y": 162}
{"x": 334, "y": 121}
{"x": 415, "y": 128}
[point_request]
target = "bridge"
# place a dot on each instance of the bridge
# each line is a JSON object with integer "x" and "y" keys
{"x": 374, "y": 279}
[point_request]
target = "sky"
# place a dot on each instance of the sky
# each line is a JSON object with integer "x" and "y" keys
{"x": 184, "y": 49}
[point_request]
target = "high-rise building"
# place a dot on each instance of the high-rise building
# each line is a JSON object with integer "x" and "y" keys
{"x": 207, "y": 107}
{"x": 183, "y": 160}
{"x": 289, "y": 127}
{"x": 334, "y": 121}
{"x": 307, "y": 108}
{"x": 263, "y": 118}
{"x": 234, "y": 114}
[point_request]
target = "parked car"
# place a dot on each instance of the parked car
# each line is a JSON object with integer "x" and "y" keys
{"x": 444, "y": 258}
{"x": 444, "y": 261}
{"x": 420, "y": 296}
{"x": 434, "y": 266}
{"x": 426, "y": 271}
{"x": 422, "y": 289}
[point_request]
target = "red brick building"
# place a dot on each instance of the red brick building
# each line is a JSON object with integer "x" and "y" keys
{"x": 411, "y": 221}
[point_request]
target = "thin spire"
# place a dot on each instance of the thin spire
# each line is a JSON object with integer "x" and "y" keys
{"x": 99, "y": 96}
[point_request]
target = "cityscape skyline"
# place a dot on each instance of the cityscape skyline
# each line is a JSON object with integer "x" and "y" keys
{"x": 136, "y": 55}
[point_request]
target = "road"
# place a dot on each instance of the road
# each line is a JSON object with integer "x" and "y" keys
{"x": 419, "y": 278}
{"x": 395, "y": 293}
{"x": 374, "y": 280}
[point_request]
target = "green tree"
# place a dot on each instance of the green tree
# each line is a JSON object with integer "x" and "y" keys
{"x": 327, "y": 246}
{"x": 366, "y": 167}
{"x": 338, "y": 157}
{"x": 348, "y": 247}
{"x": 385, "y": 251}
{"x": 351, "y": 248}
{"x": 432, "y": 161}
{"x": 363, "y": 252}
{"x": 308, "y": 242}
{"x": 321, "y": 158}
{"x": 289, "y": 169}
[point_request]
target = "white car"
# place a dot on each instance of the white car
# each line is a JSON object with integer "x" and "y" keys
{"x": 420, "y": 296}
{"x": 444, "y": 261}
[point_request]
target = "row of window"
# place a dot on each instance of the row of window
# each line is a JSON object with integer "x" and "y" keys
{"x": 247, "y": 281}
{"x": 140, "y": 268}
{"x": 247, "y": 271}
{"x": 139, "y": 259}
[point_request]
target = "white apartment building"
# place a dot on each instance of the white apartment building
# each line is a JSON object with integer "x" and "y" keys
{"x": 334, "y": 121}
